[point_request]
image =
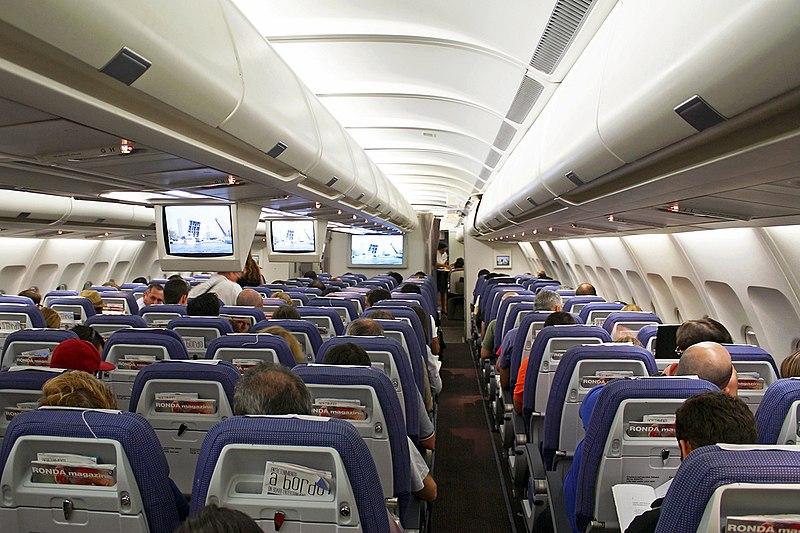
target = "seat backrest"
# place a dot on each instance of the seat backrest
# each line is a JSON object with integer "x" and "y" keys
{"x": 409, "y": 315}
{"x": 526, "y": 332}
{"x": 71, "y": 309}
{"x": 495, "y": 296}
{"x": 351, "y": 310}
{"x": 457, "y": 282}
{"x": 548, "y": 347}
{"x": 124, "y": 441}
{"x": 327, "y": 320}
{"x": 246, "y": 350}
{"x": 619, "y": 446}
{"x": 727, "y": 481}
{"x": 777, "y": 415}
{"x": 20, "y": 388}
{"x": 32, "y": 347}
{"x": 57, "y": 294}
{"x": 625, "y": 323}
{"x": 158, "y": 316}
{"x": 14, "y": 299}
{"x": 300, "y": 299}
{"x": 387, "y": 354}
{"x": 119, "y": 302}
{"x": 130, "y": 350}
{"x": 105, "y": 325}
{"x": 197, "y": 332}
{"x": 182, "y": 400}
{"x": 595, "y": 313}
{"x": 502, "y": 315}
{"x": 382, "y": 425}
{"x": 304, "y": 331}
{"x": 235, "y": 456}
{"x": 14, "y": 317}
{"x": 574, "y": 304}
{"x": 516, "y": 313}
{"x": 426, "y": 303}
{"x": 580, "y": 369}
{"x": 647, "y": 336}
{"x": 404, "y": 334}
{"x": 757, "y": 370}
{"x": 234, "y": 313}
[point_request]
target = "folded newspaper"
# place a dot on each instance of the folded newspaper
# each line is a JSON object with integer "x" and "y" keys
{"x": 750, "y": 381}
{"x": 135, "y": 362}
{"x": 287, "y": 479}
{"x": 244, "y": 364}
{"x": 72, "y": 469}
{"x": 339, "y": 408}
{"x": 655, "y": 425}
{"x": 601, "y": 377}
{"x": 184, "y": 402}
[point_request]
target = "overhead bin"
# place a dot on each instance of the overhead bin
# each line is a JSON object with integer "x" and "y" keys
{"x": 25, "y": 206}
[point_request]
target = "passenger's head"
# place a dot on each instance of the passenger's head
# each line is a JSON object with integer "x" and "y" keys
{"x": 317, "y": 284}
{"x": 88, "y": 333}
{"x": 703, "y": 329}
{"x": 380, "y": 314}
{"x": 213, "y": 519}
{"x": 364, "y": 327}
{"x": 559, "y": 318}
{"x": 585, "y": 289}
{"x": 176, "y": 291}
{"x": 112, "y": 283}
{"x": 410, "y": 288}
{"x": 250, "y": 298}
{"x": 712, "y": 362}
{"x": 77, "y": 354}
{"x": 51, "y": 318}
{"x": 329, "y": 290}
{"x": 547, "y": 300}
{"x": 376, "y": 295}
{"x": 397, "y": 277}
{"x": 206, "y": 304}
{"x": 347, "y": 353}
{"x": 286, "y": 312}
{"x": 33, "y": 294}
{"x": 790, "y": 367}
{"x": 283, "y": 296}
{"x": 310, "y": 274}
{"x": 630, "y": 339}
{"x": 459, "y": 263}
{"x": 175, "y": 276}
{"x": 271, "y": 389}
{"x": 483, "y": 272}
{"x": 141, "y": 280}
{"x": 154, "y": 294}
{"x": 442, "y": 247}
{"x": 631, "y": 307}
{"x": 94, "y": 298}
{"x": 77, "y": 389}
{"x": 711, "y": 418}
{"x": 294, "y": 345}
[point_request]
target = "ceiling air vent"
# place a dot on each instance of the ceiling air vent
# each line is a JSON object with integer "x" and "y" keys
{"x": 23, "y": 215}
{"x": 527, "y": 94}
{"x": 276, "y": 150}
{"x": 492, "y": 159}
{"x": 504, "y": 136}
{"x": 127, "y": 66}
{"x": 566, "y": 18}
{"x": 571, "y": 176}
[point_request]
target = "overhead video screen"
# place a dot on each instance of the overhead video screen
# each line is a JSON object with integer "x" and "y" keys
{"x": 293, "y": 236}
{"x": 372, "y": 250}
{"x": 198, "y": 230}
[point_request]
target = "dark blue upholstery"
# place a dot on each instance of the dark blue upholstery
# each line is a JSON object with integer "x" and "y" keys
{"x": 84, "y": 303}
{"x": 253, "y": 341}
{"x": 612, "y": 395}
{"x": 35, "y": 317}
{"x": 570, "y": 302}
{"x": 303, "y": 297}
{"x": 59, "y": 294}
{"x": 519, "y": 343}
{"x": 148, "y": 337}
{"x": 47, "y": 336}
{"x": 12, "y": 299}
{"x": 502, "y": 314}
{"x": 138, "y": 440}
{"x": 511, "y": 316}
{"x": 308, "y": 311}
{"x": 560, "y": 388}
{"x": 407, "y": 383}
{"x": 411, "y": 315}
{"x": 597, "y": 306}
{"x": 132, "y": 321}
{"x": 294, "y": 326}
{"x": 748, "y": 352}
{"x": 427, "y": 304}
{"x": 242, "y": 310}
{"x": 352, "y": 310}
{"x": 646, "y": 333}
{"x": 222, "y": 325}
{"x": 628, "y": 316}
{"x": 133, "y": 307}
{"x": 775, "y": 405}
{"x": 495, "y": 296}
{"x": 417, "y": 354}
{"x": 223, "y": 372}
{"x": 166, "y": 308}
{"x": 337, "y": 434}
{"x": 27, "y": 379}
{"x": 710, "y": 467}
{"x": 486, "y": 287}
{"x": 537, "y": 353}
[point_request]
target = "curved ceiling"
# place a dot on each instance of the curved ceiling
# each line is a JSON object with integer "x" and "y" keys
{"x": 437, "y": 93}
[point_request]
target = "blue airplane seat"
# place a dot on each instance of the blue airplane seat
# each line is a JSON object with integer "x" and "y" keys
{"x": 776, "y": 417}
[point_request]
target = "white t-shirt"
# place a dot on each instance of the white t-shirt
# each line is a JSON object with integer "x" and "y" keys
{"x": 419, "y": 469}
{"x": 225, "y": 289}
{"x": 441, "y": 258}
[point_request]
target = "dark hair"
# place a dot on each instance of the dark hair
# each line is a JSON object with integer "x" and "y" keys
{"x": 206, "y": 304}
{"x": 364, "y": 327}
{"x": 419, "y": 274}
{"x": 329, "y": 290}
{"x": 483, "y": 272}
{"x": 376, "y": 295}
{"x": 286, "y": 312}
{"x": 156, "y": 286}
{"x": 347, "y": 353}
{"x": 271, "y": 389}
{"x": 310, "y": 274}
{"x": 380, "y": 314}
{"x": 442, "y": 245}
{"x": 33, "y": 294}
{"x": 87, "y": 333}
{"x": 141, "y": 279}
{"x": 317, "y": 284}
{"x": 174, "y": 290}
{"x": 397, "y": 277}
{"x": 559, "y": 318}
{"x": 174, "y": 276}
{"x": 459, "y": 263}
{"x": 410, "y": 288}
{"x": 213, "y": 519}
{"x": 701, "y": 330}
{"x": 713, "y": 417}
{"x": 424, "y": 318}
{"x": 585, "y": 289}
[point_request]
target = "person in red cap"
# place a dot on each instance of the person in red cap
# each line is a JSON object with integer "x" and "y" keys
{"x": 75, "y": 354}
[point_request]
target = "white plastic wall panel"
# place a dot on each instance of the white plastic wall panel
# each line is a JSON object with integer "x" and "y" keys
{"x": 734, "y": 54}
{"x": 110, "y": 214}
{"x": 366, "y": 180}
{"x": 335, "y": 157}
{"x": 44, "y": 207}
{"x": 275, "y": 104}
{"x": 194, "y": 66}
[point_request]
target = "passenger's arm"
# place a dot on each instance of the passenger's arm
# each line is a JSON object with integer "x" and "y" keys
{"x": 505, "y": 377}
{"x": 429, "y": 490}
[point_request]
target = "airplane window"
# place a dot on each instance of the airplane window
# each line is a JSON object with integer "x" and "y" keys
{"x": 678, "y": 315}
{"x": 749, "y": 335}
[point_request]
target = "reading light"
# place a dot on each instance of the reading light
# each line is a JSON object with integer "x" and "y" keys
{"x": 550, "y": 228}
{"x": 535, "y": 231}
{"x": 611, "y": 218}
{"x": 674, "y": 208}
{"x": 338, "y": 211}
{"x": 125, "y": 146}
{"x": 522, "y": 234}
{"x": 231, "y": 179}
{"x": 61, "y": 232}
{"x": 317, "y": 205}
{"x": 355, "y": 217}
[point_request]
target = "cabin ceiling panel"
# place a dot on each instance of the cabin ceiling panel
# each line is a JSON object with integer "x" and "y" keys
{"x": 50, "y": 137}
{"x": 14, "y": 113}
{"x": 424, "y": 157}
{"x": 416, "y": 139}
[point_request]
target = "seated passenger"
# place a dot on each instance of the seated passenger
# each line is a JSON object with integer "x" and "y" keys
{"x": 223, "y": 284}
{"x": 585, "y": 289}
{"x": 77, "y": 389}
{"x": 34, "y": 295}
{"x": 376, "y": 295}
{"x": 546, "y": 300}
{"x": 250, "y": 298}
{"x": 294, "y": 345}
{"x": 206, "y": 304}
{"x": 703, "y": 420}
{"x": 397, "y": 277}
{"x": 250, "y": 276}
{"x": 790, "y": 367}
{"x": 631, "y": 307}
{"x": 176, "y": 291}
{"x": 487, "y": 344}
{"x": 51, "y": 318}
{"x": 88, "y": 333}
{"x": 283, "y": 296}
{"x": 94, "y": 298}
{"x": 286, "y": 312}
{"x": 317, "y": 284}
{"x": 213, "y": 519}
{"x": 709, "y": 361}
{"x": 703, "y": 329}
{"x": 77, "y": 354}
{"x": 153, "y": 295}
{"x": 422, "y": 483}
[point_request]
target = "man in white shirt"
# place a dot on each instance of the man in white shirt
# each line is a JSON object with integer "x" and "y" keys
{"x": 153, "y": 295}
{"x": 223, "y": 284}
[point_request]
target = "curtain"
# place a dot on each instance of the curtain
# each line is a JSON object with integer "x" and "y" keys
{"x": 326, "y": 255}
{"x": 426, "y": 223}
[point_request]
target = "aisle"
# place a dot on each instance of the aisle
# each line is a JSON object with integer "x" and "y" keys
{"x": 470, "y": 487}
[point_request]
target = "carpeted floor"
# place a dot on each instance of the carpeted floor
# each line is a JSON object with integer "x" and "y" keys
{"x": 471, "y": 490}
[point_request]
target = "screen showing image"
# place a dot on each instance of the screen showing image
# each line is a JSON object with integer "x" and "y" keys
{"x": 377, "y": 250}
{"x": 293, "y": 236}
{"x": 198, "y": 230}
{"x": 503, "y": 260}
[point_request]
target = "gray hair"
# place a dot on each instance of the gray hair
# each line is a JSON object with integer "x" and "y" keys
{"x": 546, "y": 300}
{"x": 271, "y": 389}
{"x": 365, "y": 327}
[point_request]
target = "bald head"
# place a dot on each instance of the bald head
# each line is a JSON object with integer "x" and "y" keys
{"x": 250, "y": 298}
{"x": 712, "y": 362}
{"x": 585, "y": 289}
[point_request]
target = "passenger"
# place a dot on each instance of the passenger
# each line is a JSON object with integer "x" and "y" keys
{"x": 112, "y": 283}
{"x": 459, "y": 264}
{"x": 330, "y": 290}
{"x": 712, "y": 362}
{"x": 703, "y": 329}
{"x": 77, "y": 354}
{"x": 442, "y": 275}
{"x": 703, "y": 420}
{"x": 251, "y": 275}
{"x": 543, "y": 275}
{"x": 310, "y": 274}
{"x": 397, "y": 277}
{"x": 175, "y": 276}
{"x": 153, "y": 295}
{"x": 223, "y": 284}
{"x": 52, "y": 319}
{"x": 34, "y": 295}
{"x": 77, "y": 389}
{"x": 317, "y": 284}
{"x": 213, "y": 519}
{"x": 376, "y": 295}
{"x": 631, "y": 307}
{"x": 585, "y": 289}
{"x": 556, "y": 318}
{"x": 294, "y": 345}
{"x": 176, "y": 291}
{"x": 88, "y": 333}
{"x": 381, "y": 314}
{"x": 422, "y": 483}
{"x": 250, "y": 298}
{"x": 286, "y": 312}
{"x": 487, "y": 344}
{"x": 283, "y": 296}
{"x": 94, "y": 298}
{"x": 206, "y": 304}
{"x": 410, "y": 288}
{"x": 790, "y": 367}
{"x": 630, "y": 339}
{"x": 140, "y": 280}
{"x": 433, "y": 377}
{"x": 365, "y": 327}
